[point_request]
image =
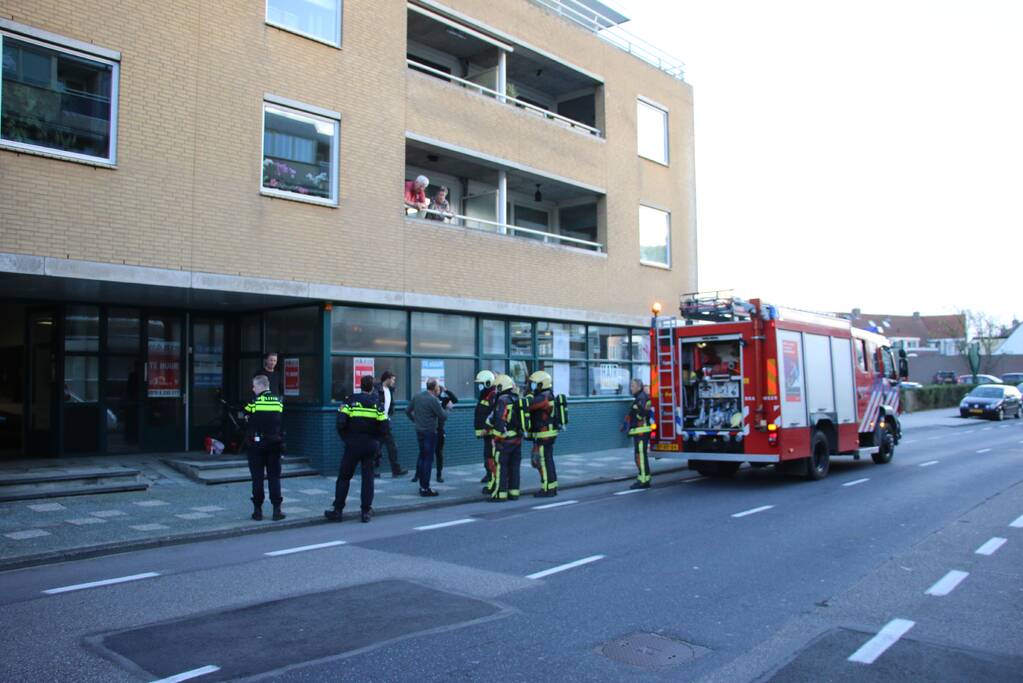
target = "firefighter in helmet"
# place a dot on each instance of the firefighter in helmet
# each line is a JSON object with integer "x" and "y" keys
{"x": 640, "y": 424}
{"x": 543, "y": 431}
{"x": 485, "y": 382}
{"x": 508, "y": 424}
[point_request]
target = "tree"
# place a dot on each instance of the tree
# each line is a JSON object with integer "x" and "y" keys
{"x": 986, "y": 333}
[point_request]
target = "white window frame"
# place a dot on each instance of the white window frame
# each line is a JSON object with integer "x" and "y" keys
{"x": 69, "y": 46}
{"x": 644, "y": 102}
{"x": 313, "y": 112}
{"x": 654, "y": 264}
{"x": 299, "y": 32}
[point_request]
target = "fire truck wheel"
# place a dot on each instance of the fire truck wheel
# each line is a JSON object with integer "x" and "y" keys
{"x": 819, "y": 462}
{"x": 886, "y": 448}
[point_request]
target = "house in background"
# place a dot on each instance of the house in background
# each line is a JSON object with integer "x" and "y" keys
{"x": 922, "y": 334}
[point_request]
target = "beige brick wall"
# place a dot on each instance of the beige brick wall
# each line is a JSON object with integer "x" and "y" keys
{"x": 185, "y": 193}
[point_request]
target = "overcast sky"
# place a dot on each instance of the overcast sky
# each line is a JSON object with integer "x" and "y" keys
{"x": 855, "y": 154}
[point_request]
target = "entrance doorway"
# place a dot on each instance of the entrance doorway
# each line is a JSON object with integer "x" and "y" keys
{"x": 207, "y": 379}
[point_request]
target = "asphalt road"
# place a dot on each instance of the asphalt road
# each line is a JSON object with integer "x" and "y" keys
{"x": 872, "y": 574}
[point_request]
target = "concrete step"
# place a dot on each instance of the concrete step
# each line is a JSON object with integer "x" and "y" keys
{"x": 231, "y": 470}
{"x": 72, "y": 481}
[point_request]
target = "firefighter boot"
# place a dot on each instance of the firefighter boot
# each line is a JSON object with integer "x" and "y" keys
{"x": 278, "y": 515}
{"x": 640, "y": 485}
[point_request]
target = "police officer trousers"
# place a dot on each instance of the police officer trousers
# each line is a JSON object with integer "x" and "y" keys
{"x": 544, "y": 458}
{"x": 358, "y": 451}
{"x": 265, "y": 458}
{"x": 508, "y": 463}
{"x": 641, "y": 446}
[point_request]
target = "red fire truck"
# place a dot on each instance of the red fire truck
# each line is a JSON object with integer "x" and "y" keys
{"x": 736, "y": 381}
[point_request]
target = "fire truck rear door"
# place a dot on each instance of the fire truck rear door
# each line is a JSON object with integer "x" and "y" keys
{"x": 793, "y": 385}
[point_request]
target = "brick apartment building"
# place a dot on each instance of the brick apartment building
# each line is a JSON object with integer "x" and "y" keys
{"x": 185, "y": 185}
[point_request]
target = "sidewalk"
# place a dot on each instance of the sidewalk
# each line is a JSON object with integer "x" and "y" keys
{"x": 175, "y": 509}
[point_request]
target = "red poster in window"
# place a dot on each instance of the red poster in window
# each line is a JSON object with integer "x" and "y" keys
{"x": 361, "y": 367}
{"x": 291, "y": 377}
{"x": 164, "y": 368}
{"x": 793, "y": 373}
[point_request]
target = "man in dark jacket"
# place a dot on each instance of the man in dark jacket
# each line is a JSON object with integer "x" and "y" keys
{"x": 269, "y": 370}
{"x": 447, "y": 400}
{"x": 263, "y": 446}
{"x": 426, "y": 412}
{"x": 360, "y": 424}
{"x": 385, "y": 397}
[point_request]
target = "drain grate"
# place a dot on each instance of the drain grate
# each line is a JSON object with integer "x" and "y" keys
{"x": 651, "y": 651}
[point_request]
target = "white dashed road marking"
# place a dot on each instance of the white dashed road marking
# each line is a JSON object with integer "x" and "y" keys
{"x": 1017, "y": 523}
{"x": 947, "y": 583}
{"x": 82, "y": 521}
{"x": 928, "y": 463}
{"x": 104, "y": 582}
{"x": 194, "y": 515}
{"x": 564, "y": 567}
{"x": 150, "y": 503}
{"x": 555, "y": 505}
{"x": 456, "y": 522}
{"x": 886, "y": 637}
{"x": 984, "y": 450}
{"x": 149, "y": 527}
{"x": 107, "y": 513}
{"x": 303, "y": 548}
{"x": 208, "y": 508}
{"x": 629, "y": 491}
{"x": 189, "y": 675}
{"x": 47, "y": 507}
{"x": 28, "y": 533}
{"x": 856, "y": 481}
{"x": 991, "y": 546}
{"x": 753, "y": 511}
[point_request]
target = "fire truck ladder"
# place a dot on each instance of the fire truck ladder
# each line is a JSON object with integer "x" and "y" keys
{"x": 667, "y": 377}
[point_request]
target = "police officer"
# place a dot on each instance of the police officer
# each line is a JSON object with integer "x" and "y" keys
{"x": 640, "y": 425}
{"x": 263, "y": 446}
{"x": 484, "y": 407}
{"x": 543, "y": 431}
{"x": 508, "y": 422}
{"x": 360, "y": 424}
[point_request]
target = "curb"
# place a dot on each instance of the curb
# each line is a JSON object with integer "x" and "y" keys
{"x": 99, "y": 550}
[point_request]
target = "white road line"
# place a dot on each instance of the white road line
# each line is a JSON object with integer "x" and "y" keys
{"x": 855, "y": 482}
{"x": 564, "y": 567}
{"x": 984, "y": 450}
{"x": 928, "y": 463}
{"x": 968, "y": 431}
{"x": 303, "y": 548}
{"x": 428, "y": 527}
{"x": 104, "y": 582}
{"x": 753, "y": 511}
{"x": 947, "y": 583}
{"x": 991, "y": 546}
{"x": 555, "y": 505}
{"x": 933, "y": 438}
{"x": 188, "y": 675}
{"x": 885, "y": 638}
{"x": 1018, "y": 523}
{"x": 629, "y": 492}
{"x": 986, "y": 429}
{"x": 695, "y": 480}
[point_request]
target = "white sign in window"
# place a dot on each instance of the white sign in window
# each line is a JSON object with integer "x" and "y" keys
{"x": 654, "y": 236}
{"x": 300, "y": 157}
{"x": 316, "y": 19}
{"x": 57, "y": 100}
{"x": 652, "y": 132}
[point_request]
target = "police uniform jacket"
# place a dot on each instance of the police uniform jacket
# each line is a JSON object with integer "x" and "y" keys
{"x": 361, "y": 418}
{"x": 264, "y": 421}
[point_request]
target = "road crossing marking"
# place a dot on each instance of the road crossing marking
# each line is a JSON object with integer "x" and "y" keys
{"x": 984, "y": 450}
{"x": 991, "y": 546}
{"x": 1017, "y": 523}
{"x": 303, "y": 548}
{"x": 885, "y": 638}
{"x": 857, "y": 481}
{"x": 95, "y": 584}
{"x": 928, "y": 463}
{"x": 565, "y": 567}
{"x": 555, "y": 505}
{"x": 188, "y": 675}
{"x": 629, "y": 491}
{"x": 753, "y": 511}
{"x": 456, "y": 522}
{"x": 947, "y": 583}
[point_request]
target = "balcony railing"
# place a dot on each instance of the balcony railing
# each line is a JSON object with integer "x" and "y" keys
{"x": 610, "y": 31}
{"x": 504, "y": 229}
{"x": 419, "y": 66}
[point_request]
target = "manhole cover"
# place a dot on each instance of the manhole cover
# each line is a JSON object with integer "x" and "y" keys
{"x": 651, "y": 650}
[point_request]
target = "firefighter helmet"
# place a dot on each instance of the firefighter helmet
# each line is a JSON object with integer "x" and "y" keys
{"x": 504, "y": 383}
{"x": 542, "y": 380}
{"x": 486, "y": 378}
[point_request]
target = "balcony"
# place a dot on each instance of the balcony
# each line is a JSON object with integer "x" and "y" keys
{"x": 512, "y": 75}
{"x": 484, "y": 195}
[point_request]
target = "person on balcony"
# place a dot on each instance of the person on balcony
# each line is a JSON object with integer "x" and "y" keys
{"x": 415, "y": 194}
{"x": 440, "y": 207}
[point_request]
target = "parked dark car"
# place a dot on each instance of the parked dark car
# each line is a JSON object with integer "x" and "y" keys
{"x": 1012, "y": 378}
{"x": 981, "y": 379}
{"x": 945, "y": 377}
{"x": 995, "y": 401}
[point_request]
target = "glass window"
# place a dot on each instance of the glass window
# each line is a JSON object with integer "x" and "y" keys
{"x": 342, "y": 369}
{"x": 533, "y": 219}
{"x": 293, "y": 330}
{"x": 251, "y": 334}
{"x": 246, "y": 369}
{"x": 495, "y": 365}
{"x": 81, "y": 328}
{"x": 456, "y": 374}
{"x": 123, "y": 330}
{"x": 443, "y": 334}
{"x": 299, "y": 154}
{"x": 609, "y": 342}
{"x": 609, "y": 379}
{"x": 560, "y": 340}
{"x": 520, "y": 370}
{"x": 319, "y": 19}
{"x": 652, "y": 128}
{"x": 57, "y": 100}
{"x": 122, "y": 382}
{"x": 369, "y": 329}
{"x": 569, "y": 378}
{"x": 521, "y": 338}
{"x": 579, "y": 222}
{"x": 81, "y": 379}
{"x": 654, "y": 236}
{"x": 641, "y": 345}
{"x": 642, "y": 373}
{"x": 494, "y": 335}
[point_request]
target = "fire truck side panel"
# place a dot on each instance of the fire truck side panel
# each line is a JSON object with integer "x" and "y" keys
{"x": 792, "y": 381}
{"x": 793, "y": 443}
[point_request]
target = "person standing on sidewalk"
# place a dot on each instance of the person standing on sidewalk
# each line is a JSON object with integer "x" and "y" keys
{"x": 447, "y": 400}
{"x": 640, "y": 423}
{"x": 360, "y": 424}
{"x": 263, "y": 440}
{"x": 428, "y": 415}
{"x": 543, "y": 431}
{"x": 509, "y": 423}
{"x": 484, "y": 407}
{"x": 269, "y": 370}
{"x": 385, "y": 397}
